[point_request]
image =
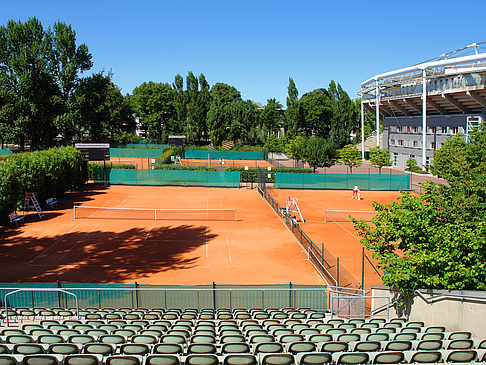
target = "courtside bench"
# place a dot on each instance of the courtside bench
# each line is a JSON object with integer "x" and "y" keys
{"x": 16, "y": 218}
{"x": 51, "y": 202}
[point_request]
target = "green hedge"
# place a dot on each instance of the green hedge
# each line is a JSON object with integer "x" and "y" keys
{"x": 250, "y": 175}
{"x": 48, "y": 173}
{"x": 109, "y": 165}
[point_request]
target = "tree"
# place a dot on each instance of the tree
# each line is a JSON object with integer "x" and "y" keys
{"x": 380, "y": 157}
{"x": 320, "y": 152}
{"x": 101, "y": 109}
{"x": 224, "y": 93}
{"x": 436, "y": 240}
{"x": 350, "y": 156}
{"x": 345, "y": 115}
{"x": 154, "y": 104}
{"x": 296, "y": 148}
{"x": 293, "y": 119}
{"x": 317, "y": 111}
{"x": 39, "y": 71}
{"x": 271, "y": 117}
{"x": 217, "y": 122}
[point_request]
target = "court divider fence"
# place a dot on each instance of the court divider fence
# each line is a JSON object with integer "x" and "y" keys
{"x": 165, "y": 296}
{"x": 342, "y": 181}
{"x": 229, "y": 155}
{"x": 171, "y": 177}
{"x": 136, "y": 152}
{"x": 324, "y": 261}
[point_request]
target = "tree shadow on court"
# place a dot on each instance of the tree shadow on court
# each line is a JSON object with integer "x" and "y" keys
{"x": 102, "y": 256}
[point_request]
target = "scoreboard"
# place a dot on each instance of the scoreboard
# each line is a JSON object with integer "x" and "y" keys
{"x": 94, "y": 151}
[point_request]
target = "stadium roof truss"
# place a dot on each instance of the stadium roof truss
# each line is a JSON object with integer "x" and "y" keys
{"x": 451, "y": 84}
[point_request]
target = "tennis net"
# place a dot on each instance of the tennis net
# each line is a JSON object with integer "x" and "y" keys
{"x": 89, "y": 212}
{"x": 344, "y": 215}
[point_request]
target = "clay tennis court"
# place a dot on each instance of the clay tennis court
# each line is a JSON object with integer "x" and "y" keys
{"x": 340, "y": 238}
{"x": 255, "y": 249}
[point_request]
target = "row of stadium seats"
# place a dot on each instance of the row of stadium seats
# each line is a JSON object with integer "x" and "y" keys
{"x": 314, "y": 358}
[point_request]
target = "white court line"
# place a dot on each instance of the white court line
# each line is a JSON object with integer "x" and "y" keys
{"x": 60, "y": 238}
{"x": 227, "y": 239}
{"x": 150, "y": 230}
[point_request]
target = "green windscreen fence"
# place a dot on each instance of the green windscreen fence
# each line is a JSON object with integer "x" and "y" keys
{"x": 136, "y": 152}
{"x": 4, "y": 152}
{"x": 342, "y": 181}
{"x": 229, "y": 179}
{"x": 230, "y": 155}
{"x": 165, "y": 296}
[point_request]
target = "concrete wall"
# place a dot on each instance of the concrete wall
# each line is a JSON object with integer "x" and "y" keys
{"x": 439, "y": 308}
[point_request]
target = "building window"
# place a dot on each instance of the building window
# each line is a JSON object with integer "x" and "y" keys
{"x": 427, "y": 161}
{"x": 393, "y": 128}
{"x": 444, "y": 130}
{"x": 431, "y": 130}
{"x": 392, "y": 142}
{"x": 455, "y": 130}
{"x": 415, "y": 143}
{"x": 415, "y": 129}
{"x": 395, "y": 159}
{"x": 400, "y": 142}
{"x": 432, "y": 145}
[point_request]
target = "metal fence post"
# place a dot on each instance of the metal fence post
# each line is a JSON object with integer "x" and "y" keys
{"x": 337, "y": 268}
{"x": 362, "y": 268}
{"x": 214, "y": 295}
{"x": 290, "y": 294}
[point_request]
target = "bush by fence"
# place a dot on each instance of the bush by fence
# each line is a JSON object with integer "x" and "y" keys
{"x": 48, "y": 173}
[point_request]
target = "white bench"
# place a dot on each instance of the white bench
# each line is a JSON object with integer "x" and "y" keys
{"x": 51, "y": 202}
{"x": 16, "y": 218}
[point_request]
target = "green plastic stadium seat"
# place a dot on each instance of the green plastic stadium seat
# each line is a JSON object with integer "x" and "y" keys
{"x": 124, "y": 332}
{"x": 276, "y": 359}
{"x": 39, "y": 332}
{"x": 83, "y": 359}
{"x": 351, "y": 358}
{"x": 123, "y": 360}
{"x": 361, "y": 331}
{"x": 4, "y": 349}
{"x": 290, "y": 338}
{"x": 333, "y": 346}
{"x": 235, "y": 348}
{"x": 301, "y": 346}
{"x": 10, "y": 332}
{"x": 462, "y": 356}
{"x": 415, "y": 324}
{"x": 314, "y": 358}
{"x": 377, "y": 320}
{"x": 346, "y": 325}
{"x": 7, "y": 360}
{"x": 387, "y": 357}
{"x": 202, "y": 359}
{"x": 348, "y": 337}
{"x": 432, "y": 336}
{"x": 40, "y": 360}
{"x": 167, "y": 348}
{"x": 28, "y": 349}
{"x": 135, "y": 349}
{"x": 427, "y": 345}
{"x": 48, "y": 339}
{"x": 459, "y": 344}
{"x": 414, "y": 330}
{"x": 435, "y": 329}
{"x": 397, "y": 345}
{"x": 64, "y": 349}
{"x": 422, "y": 357}
{"x": 405, "y": 336}
{"x": 146, "y": 339}
{"x": 261, "y": 338}
{"x": 173, "y": 339}
{"x": 239, "y": 359}
{"x": 162, "y": 360}
{"x": 267, "y": 347}
{"x": 104, "y": 349}
{"x": 308, "y": 331}
{"x": 335, "y": 331}
{"x": 112, "y": 339}
{"x": 201, "y": 348}
{"x": 459, "y": 335}
{"x": 365, "y": 346}
{"x": 81, "y": 339}
{"x": 14, "y": 339}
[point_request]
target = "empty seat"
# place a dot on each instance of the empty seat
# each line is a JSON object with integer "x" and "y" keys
{"x": 7, "y": 360}
{"x": 300, "y": 346}
{"x": 276, "y": 359}
{"x": 239, "y": 359}
{"x": 40, "y": 360}
{"x": 48, "y": 339}
{"x": 427, "y": 345}
{"x": 387, "y": 357}
{"x": 459, "y": 335}
{"x": 162, "y": 360}
{"x": 113, "y": 339}
{"x": 15, "y": 339}
{"x": 146, "y": 339}
{"x": 462, "y": 356}
{"x": 123, "y": 360}
{"x": 167, "y": 348}
{"x": 64, "y": 348}
{"x": 348, "y": 337}
{"x": 235, "y": 348}
{"x": 397, "y": 346}
{"x": 422, "y": 357}
{"x": 333, "y": 346}
{"x": 320, "y": 338}
{"x": 201, "y": 348}
{"x": 458, "y": 344}
{"x": 28, "y": 349}
{"x": 365, "y": 346}
{"x": 202, "y": 359}
{"x": 83, "y": 359}
{"x": 81, "y": 339}
{"x": 351, "y": 357}
{"x": 135, "y": 349}
{"x": 104, "y": 349}
{"x": 268, "y": 347}
{"x": 314, "y": 358}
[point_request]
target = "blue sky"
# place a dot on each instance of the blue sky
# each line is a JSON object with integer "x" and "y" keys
{"x": 257, "y": 45}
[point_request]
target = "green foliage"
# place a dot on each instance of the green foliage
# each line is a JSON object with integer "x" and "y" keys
{"x": 380, "y": 157}
{"x": 39, "y": 72}
{"x": 350, "y": 156}
{"x": 320, "y": 152}
{"x": 48, "y": 173}
{"x": 273, "y": 144}
{"x": 295, "y": 148}
{"x": 436, "y": 240}
{"x": 412, "y": 166}
{"x": 123, "y": 138}
{"x": 250, "y": 175}
{"x": 317, "y": 111}
{"x": 98, "y": 166}
{"x": 345, "y": 116}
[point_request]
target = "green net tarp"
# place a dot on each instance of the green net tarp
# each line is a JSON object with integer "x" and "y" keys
{"x": 167, "y": 296}
{"x": 173, "y": 177}
{"x": 136, "y": 152}
{"x": 229, "y": 155}
{"x": 342, "y": 181}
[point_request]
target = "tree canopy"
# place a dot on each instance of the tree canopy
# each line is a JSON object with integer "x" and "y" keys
{"x": 438, "y": 239}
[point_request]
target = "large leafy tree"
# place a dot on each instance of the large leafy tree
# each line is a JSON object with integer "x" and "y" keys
{"x": 198, "y": 102}
{"x": 271, "y": 117}
{"x": 345, "y": 115}
{"x": 436, "y": 240}
{"x": 317, "y": 111}
{"x": 153, "y": 103}
{"x": 39, "y": 70}
{"x": 101, "y": 109}
{"x": 320, "y": 152}
{"x": 380, "y": 157}
{"x": 350, "y": 156}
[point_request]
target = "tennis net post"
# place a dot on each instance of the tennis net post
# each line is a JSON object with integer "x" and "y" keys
{"x": 333, "y": 215}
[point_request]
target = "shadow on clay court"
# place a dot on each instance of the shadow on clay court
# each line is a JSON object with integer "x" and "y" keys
{"x": 101, "y": 256}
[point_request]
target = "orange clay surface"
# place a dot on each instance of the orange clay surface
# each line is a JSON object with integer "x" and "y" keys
{"x": 339, "y": 238}
{"x": 255, "y": 249}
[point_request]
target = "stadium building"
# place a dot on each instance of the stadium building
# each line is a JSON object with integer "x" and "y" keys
{"x": 421, "y": 106}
